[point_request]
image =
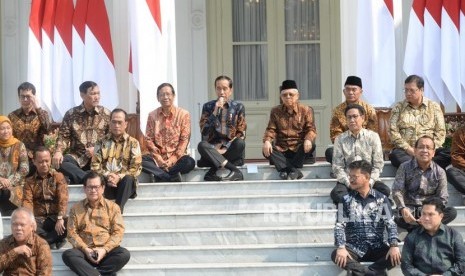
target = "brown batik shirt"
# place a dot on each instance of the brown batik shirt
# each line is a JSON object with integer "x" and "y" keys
{"x": 101, "y": 226}
{"x": 30, "y": 128}
{"x": 289, "y": 130}
{"x": 46, "y": 196}
{"x": 40, "y": 263}
{"x": 82, "y": 129}
{"x": 339, "y": 122}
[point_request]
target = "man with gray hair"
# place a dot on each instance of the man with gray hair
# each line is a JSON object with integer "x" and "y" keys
{"x": 24, "y": 252}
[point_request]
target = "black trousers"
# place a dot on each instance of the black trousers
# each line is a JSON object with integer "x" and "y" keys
{"x": 289, "y": 159}
{"x": 399, "y": 156}
{"x": 184, "y": 165}
{"x": 450, "y": 213}
{"x": 70, "y": 168}
{"x": 456, "y": 177}
{"x": 46, "y": 229}
{"x": 210, "y": 157}
{"x": 377, "y": 256}
{"x": 340, "y": 190}
{"x": 6, "y": 207}
{"x": 125, "y": 189}
{"x": 113, "y": 262}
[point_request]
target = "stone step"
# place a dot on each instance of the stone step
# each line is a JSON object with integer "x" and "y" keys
{"x": 231, "y": 269}
{"x": 293, "y": 252}
{"x": 251, "y": 187}
{"x": 263, "y": 171}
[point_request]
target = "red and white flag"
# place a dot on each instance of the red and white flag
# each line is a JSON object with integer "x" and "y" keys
{"x": 62, "y": 59}
{"x": 462, "y": 53}
{"x": 98, "y": 61}
{"x": 376, "y": 56}
{"x": 48, "y": 26}
{"x": 450, "y": 48}
{"x": 34, "y": 55}
{"x": 153, "y": 50}
{"x": 78, "y": 36}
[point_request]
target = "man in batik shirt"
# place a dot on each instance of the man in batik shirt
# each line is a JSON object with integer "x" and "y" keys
{"x": 30, "y": 122}
{"x": 223, "y": 126}
{"x": 81, "y": 128}
{"x": 46, "y": 194}
{"x": 24, "y": 252}
{"x": 412, "y": 118}
{"x": 168, "y": 133}
{"x": 357, "y": 143}
{"x": 361, "y": 222}
{"x": 352, "y": 93}
{"x": 417, "y": 180}
{"x": 290, "y": 136}
{"x": 95, "y": 229}
{"x": 118, "y": 158}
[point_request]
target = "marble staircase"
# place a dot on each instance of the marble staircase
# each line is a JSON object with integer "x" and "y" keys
{"x": 254, "y": 227}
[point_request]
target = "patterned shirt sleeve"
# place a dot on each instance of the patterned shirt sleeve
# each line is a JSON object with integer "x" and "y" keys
{"x": 62, "y": 193}
{"x": 396, "y": 138}
{"x": 371, "y": 118}
{"x": 135, "y": 163}
{"x": 184, "y": 138}
{"x": 45, "y": 123}
{"x": 457, "y": 150}
{"x": 96, "y": 164}
{"x": 439, "y": 133}
{"x": 44, "y": 258}
{"x": 28, "y": 193}
{"x": 339, "y": 163}
{"x": 398, "y": 188}
{"x": 442, "y": 192}
{"x": 73, "y": 226}
{"x": 377, "y": 156}
{"x": 336, "y": 127}
{"x": 64, "y": 133}
{"x": 7, "y": 254}
{"x": 408, "y": 251}
{"x": 18, "y": 176}
{"x": 117, "y": 232}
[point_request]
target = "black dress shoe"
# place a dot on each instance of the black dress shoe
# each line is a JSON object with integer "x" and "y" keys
{"x": 211, "y": 175}
{"x": 283, "y": 175}
{"x": 176, "y": 177}
{"x": 233, "y": 176}
{"x": 295, "y": 174}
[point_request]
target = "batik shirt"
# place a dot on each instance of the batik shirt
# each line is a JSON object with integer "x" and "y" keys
{"x": 14, "y": 163}
{"x": 407, "y": 123}
{"x": 221, "y": 130}
{"x": 40, "y": 263}
{"x": 30, "y": 128}
{"x": 289, "y": 130}
{"x": 81, "y": 129}
{"x": 121, "y": 156}
{"x": 457, "y": 150}
{"x": 413, "y": 185}
{"x": 339, "y": 122}
{"x": 442, "y": 253}
{"x": 101, "y": 226}
{"x": 361, "y": 222}
{"x": 348, "y": 148}
{"x": 46, "y": 196}
{"x": 168, "y": 135}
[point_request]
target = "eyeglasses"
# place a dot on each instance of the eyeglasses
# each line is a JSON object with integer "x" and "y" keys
{"x": 425, "y": 147}
{"x": 91, "y": 188}
{"x": 354, "y": 177}
{"x": 23, "y": 98}
{"x": 168, "y": 95}
{"x": 410, "y": 90}
{"x": 350, "y": 89}
{"x": 350, "y": 117}
{"x": 285, "y": 95}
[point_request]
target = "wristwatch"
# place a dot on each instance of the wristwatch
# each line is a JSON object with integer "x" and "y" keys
{"x": 394, "y": 244}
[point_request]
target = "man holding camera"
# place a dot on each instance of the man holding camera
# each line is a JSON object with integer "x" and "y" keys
{"x": 95, "y": 229}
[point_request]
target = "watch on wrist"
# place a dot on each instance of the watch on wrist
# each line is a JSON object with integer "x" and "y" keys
{"x": 394, "y": 244}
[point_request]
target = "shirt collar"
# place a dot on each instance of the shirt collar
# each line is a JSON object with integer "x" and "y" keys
{"x": 123, "y": 138}
{"x": 100, "y": 202}
{"x": 442, "y": 228}
{"x": 82, "y": 109}
{"x": 49, "y": 174}
{"x": 21, "y": 111}
{"x": 29, "y": 241}
{"x": 416, "y": 166}
{"x": 295, "y": 108}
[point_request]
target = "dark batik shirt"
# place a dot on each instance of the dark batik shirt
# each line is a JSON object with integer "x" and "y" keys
{"x": 81, "y": 129}
{"x": 413, "y": 185}
{"x": 288, "y": 131}
{"x": 361, "y": 222}
{"x": 223, "y": 129}
{"x": 30, "y": 128}
{"x": 443, "y": 253}
{"x": 40, "y": 263}
{"x": 46, "y": 196}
